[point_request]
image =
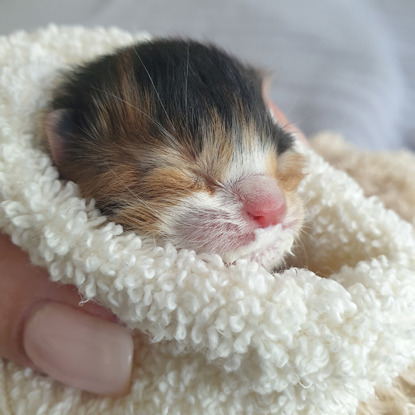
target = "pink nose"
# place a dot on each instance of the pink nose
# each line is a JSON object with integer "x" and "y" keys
{"x": 266, "y": 212}
{"x": 263, "y": 200}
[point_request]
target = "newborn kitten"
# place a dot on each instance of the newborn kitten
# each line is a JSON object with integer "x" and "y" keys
{"x": 173, "y": 140}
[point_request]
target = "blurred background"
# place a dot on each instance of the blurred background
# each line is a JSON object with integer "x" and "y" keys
{"x": 345, "y": 65}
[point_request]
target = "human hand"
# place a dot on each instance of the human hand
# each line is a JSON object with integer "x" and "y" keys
{"x": 43, "y": 327}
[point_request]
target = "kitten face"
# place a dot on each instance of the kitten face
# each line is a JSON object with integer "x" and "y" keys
{"x": 174, "y": 141}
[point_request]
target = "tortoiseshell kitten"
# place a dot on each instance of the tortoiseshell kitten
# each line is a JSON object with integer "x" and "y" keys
{"x": 173, "y": 139}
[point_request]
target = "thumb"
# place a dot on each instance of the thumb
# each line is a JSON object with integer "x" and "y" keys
{"x": 42, "y": 326}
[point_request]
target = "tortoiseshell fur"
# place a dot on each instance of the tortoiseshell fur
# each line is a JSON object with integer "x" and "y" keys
{"x": 155, "y": 123}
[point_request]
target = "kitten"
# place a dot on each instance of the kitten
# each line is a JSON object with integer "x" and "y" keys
{"x": 173, "y": 139}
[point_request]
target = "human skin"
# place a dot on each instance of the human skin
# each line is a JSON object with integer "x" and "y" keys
{"x": 43, "y": 326}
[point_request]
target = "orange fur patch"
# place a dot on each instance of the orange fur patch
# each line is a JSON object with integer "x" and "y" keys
{"x": 287, "y": 169}
{"x": 290, "y": 171}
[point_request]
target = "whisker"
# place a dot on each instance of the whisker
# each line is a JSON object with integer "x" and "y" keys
{"x": 151, "y": 119}
{"x": 136, "y": 197}
{"x": 154, "y": 86}
{"x": 186, "y": 82}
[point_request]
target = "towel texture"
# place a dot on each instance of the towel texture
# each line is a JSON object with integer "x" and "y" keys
{"x": 388, "y": 175}
{"x": 219, "y": 340}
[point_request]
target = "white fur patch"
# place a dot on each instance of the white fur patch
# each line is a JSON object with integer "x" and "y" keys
{"x": 245, "y": 162}
{"x": 268, "y": 249}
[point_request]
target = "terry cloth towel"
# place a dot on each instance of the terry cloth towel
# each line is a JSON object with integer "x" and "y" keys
{"x": 219, "y": 339}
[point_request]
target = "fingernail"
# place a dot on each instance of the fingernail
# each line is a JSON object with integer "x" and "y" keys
{"x": 78, "y": 349}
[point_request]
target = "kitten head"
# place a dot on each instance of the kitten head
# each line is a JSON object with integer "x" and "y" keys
{"x": 173, "y": 140}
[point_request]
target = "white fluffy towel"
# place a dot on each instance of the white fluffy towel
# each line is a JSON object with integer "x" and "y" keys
{"x": 219, "y": 339}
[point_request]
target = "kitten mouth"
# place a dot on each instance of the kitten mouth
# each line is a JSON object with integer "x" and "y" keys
{"x": 214, "y": 232}
{"x": 269, "y": 247}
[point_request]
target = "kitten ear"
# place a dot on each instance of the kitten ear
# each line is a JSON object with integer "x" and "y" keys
{"x": 265, "y": 78}
{"x": 60, "y": 128}
{"x": 276, "y": 114}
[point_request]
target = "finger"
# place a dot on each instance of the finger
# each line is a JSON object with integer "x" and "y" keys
{"x": 43, "y": 326}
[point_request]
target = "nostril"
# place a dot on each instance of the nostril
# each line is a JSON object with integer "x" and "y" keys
{"x": 266, "y": 211}
{"x": 263, "y": 200}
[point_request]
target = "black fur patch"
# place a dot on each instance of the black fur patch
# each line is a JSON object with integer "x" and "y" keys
{"x": 185, "y": 82}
